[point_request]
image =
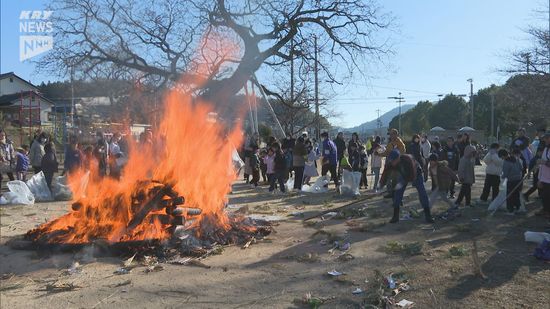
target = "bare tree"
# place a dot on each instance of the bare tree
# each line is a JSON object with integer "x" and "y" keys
{"x": 160, "y": 41}
{"x": 535, "y": 59}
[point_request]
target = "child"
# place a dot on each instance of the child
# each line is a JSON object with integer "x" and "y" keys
{"x": 310, "y": 169}
{"x": 344, "y": 164}
{"x": 263, "y": 167}
{"x": 442, "y": 176}
{"x": 492, "y": 173}
{"x": 376, "y": 163}
{"x": 49, "y": 163}
{"x": 466, "y": 175}
{"x": 280, "y": 168}
{"x": 512, "y": 170}
{"x": 255, "y": 167}
{"x": 22, "y": 163}
{"x": 363, "y": 167}
{"x": 270, "y": 168}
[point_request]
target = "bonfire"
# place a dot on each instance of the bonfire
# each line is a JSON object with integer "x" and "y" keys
{"x": 172, "y": 192}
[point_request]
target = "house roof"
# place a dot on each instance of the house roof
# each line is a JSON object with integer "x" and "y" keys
{"x": 11, "y": 74}
{"x": 14, "y": 98}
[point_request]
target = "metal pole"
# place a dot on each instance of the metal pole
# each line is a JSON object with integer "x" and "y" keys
{"x": 492, "y": 115}
{"x": 471, "y": 102}
{"x": 399, "y": 100}
{"x": 21, "y": 118}
{"x": 317, "y": 120}
{"x": 264, "y": 96}
{"x": 30, "y": 113}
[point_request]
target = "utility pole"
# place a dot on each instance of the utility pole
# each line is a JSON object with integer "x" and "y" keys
{"x": 317, "y": 120}
{"x": 527, "y": 57}
{"x": 400, "y": 100}
{"x": 471, "y": 102}
{"x": 292, "y": 72}
{"x": 492, "y": 114}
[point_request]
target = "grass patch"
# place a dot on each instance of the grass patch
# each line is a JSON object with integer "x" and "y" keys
{"x": 410, "y": 249}
{"x": 367, "y": 227}
{"x": 457, "y": 251}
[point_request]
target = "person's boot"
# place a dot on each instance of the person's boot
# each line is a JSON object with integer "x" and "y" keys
{"x": 395, "y": 217}
{"x": 428, "y": 215}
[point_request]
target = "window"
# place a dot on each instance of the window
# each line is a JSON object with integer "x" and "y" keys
{"x": 11, "y": 79}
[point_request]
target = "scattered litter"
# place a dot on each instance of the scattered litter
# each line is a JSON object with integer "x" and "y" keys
{"x": 187, "y": 261}
{"x": 406, "y": 217}
{"x": 74, "y": 269}
{"x": 335, "y": 273}
{"x": 357, "y": 291}
{"x": 542, "y": 252}
{"x": 128, "y": 262}
{"x": 537, "y": 237}
{"x": 405, "y": 303}
{"x": 154, "y": 268}
{"x": 308, "y": 258}
{"x": 248, "y": 243}
{"x": 313, "y": 301}
{"x": 329, "y": 215}
{"x": 122, "y": 271}
{"x": 345, "y": 257}
{"x": 60, "y": 287}
{"x": 390, "y": 283}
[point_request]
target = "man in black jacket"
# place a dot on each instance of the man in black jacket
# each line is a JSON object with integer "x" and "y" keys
{"x": 404, "y": 169}
{"x": 340, "y": 149}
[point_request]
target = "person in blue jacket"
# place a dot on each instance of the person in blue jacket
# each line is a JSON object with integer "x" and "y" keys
{"x": 330, "y": 159}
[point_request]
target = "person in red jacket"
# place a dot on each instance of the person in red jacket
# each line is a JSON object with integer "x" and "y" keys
{"x": 402, "y": 169}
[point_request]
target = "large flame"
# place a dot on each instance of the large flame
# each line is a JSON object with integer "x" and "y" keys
{"x": 190, "y": 152}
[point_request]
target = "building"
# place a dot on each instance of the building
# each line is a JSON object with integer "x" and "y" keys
{"x": 22, "y": 104}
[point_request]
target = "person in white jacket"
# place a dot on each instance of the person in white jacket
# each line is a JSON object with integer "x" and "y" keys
{"x": 493, "y": 170}
{"x": 425, "y": 151}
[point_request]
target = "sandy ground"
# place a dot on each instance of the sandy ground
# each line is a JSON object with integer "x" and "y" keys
{"x": 278, "y": 271}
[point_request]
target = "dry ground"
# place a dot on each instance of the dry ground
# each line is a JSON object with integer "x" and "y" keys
{"x": 275, "y": 272}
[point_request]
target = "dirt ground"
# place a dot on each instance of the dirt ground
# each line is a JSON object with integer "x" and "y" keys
{"x": 278, "y": 271}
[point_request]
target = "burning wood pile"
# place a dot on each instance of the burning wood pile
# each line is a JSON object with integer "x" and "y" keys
{"x": 153, "y": 205}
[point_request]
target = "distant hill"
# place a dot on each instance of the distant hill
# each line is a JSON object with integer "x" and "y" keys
{"x": 384, "y": 118}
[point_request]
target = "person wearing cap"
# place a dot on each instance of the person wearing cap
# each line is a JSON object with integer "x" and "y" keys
{"x": 544, "y": 177}
{"x": 403, "y": 168}
{"x": 330, "y": 159}
{"x": 522, "y": 142}
{"x": 442, "y": 176}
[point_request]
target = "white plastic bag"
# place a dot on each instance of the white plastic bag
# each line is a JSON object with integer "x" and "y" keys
{"x": 19, "y": 193}
{"x": 318, "y": 186}
{"x": 500, "y": 201}
{"x": 289, "y": 185}
{"x": 537, "y": 237}
{"x": 237, "y": 161}
{"x": 350, "y": 183}
{"x": 39, "y": 188}
{"x": 61, "y": 191}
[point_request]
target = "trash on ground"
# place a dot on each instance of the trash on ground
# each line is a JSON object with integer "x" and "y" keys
{"x": 405, "y": 304}
{"x": 329, "y": 215}
{"x": 542, "y": 252}
{"x": 345, "y": 257}
{"x": 536, "y": 237}
{"x": 121, "y": 271}
{"x": 335, "y": 273}
{"x": 357, "y": 291}
{"x": 60, "y": 287}
{"x": 128, "y": 262}
{"x": 154, "y": 268}
{"x": 74, "y": 269}
{"x": 19, "y": 193}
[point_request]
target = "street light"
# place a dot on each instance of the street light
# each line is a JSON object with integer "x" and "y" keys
{"x": 400, "y": 100}
{"x": 471, "y": 81}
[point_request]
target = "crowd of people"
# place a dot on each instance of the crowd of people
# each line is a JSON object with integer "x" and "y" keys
{"x": 105, "y": 155}
{"x": 447, "y": 164}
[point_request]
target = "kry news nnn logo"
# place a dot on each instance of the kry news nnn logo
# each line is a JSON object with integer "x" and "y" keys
{"x": 36, "y": 23}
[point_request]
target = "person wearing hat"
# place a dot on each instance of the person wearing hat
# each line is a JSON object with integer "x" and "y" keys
{"x": 403, "y": 168}
{"x": 442, "y": 177}
{"x": 544, "y": 177}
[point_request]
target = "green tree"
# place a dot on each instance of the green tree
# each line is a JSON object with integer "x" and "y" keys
{"x": 449, "y": 113}
{"x": 415, "y": 120}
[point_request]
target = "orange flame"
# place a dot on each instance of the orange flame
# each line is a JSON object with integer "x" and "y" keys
{"x": 190, "y": 152}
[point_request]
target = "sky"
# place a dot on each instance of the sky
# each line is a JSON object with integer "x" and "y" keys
{"x": 438, "y": 46}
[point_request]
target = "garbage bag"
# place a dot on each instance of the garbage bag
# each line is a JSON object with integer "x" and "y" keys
{"x": 537, "y": 237}
{"x": 542, "y": 252}
{"x": 289, "y": 185}
{"x": 350, "y": 183}
{"x": 318, "y": 186}
{"x": 39, "y": 188}
{"x": 500, "y": 201}
{"x": 19, "y": 193}
{"x": 61, "y": 190}
{"x": 238, "y": 163}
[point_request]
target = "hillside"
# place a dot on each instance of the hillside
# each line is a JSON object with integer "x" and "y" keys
{"x": 384, "y": 119}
